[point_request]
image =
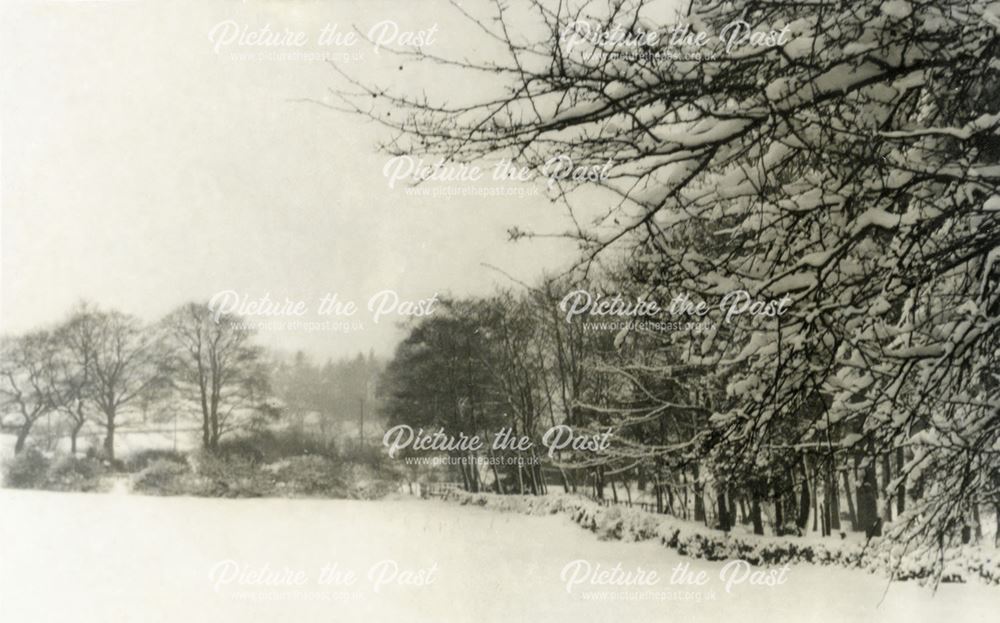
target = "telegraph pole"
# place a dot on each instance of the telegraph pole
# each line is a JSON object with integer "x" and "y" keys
{"x": 361, "y": 426}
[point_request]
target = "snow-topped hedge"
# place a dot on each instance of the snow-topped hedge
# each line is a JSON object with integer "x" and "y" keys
{"x": 698, "y": 541}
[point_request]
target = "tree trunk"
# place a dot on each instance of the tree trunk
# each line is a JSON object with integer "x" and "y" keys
{"x": 868, "y": 517}
{"x": 214, "y": 428}
{"x": 496, "y": 478}
{"x": 815, "y": 503}
{"x": 834, "y": 495}
{"x": 901, "y": 489}
{"x": 827, "y": 506}
{"x": 804, "y": 501}
{"x": 779, "y": 517}
{"x": 109, "y": 437}
{"x": 206, "y": 437}
{"x": 849, "y": 494}
{"x": 886, "y": 479}
{"x": 755, "y": 518}
{"x": 684, "y": 496}
{"x": 565, "y": 480}
{"x": 659, "y": 493}
{"x": 699, "y": 502}
{"x": 73, "y": 434}
{"x": 720, "y": 500}
{"x": 996, "y": 534}
{"x": 543, "y": 485}
{"x": 22, "y": 438}
{"x": 465, "y": 478}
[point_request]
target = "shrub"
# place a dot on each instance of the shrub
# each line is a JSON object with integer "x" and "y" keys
{"x": 375, "y": 489}
{"x": 96, "y": 453}
{"x": 371, "y": 455}
{"x": 369, "y": 483}
{"x": 144, "y": 458}
{"x": 70, "y": 473}
{"x": 33, "y": 470}
{"x": 27, "y": 470}
{"x": 231, "y": 476}
{"x": 310, "y": 475}
{"x": 239, "y": 449}
{"x": 163, "y": 477}
{"x": 266, "y": 446}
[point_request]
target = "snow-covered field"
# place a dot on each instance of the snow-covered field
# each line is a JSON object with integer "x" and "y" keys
{"x": 109, "y": 558}
{"x": 126, "y": 442}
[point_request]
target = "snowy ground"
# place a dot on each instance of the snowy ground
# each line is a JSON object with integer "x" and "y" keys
{"x": 91, "y": 557}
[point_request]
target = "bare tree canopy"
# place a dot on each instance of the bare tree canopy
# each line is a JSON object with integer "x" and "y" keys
{"x": 214, "y": 364}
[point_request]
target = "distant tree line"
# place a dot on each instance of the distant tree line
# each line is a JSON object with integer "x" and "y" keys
{"x": 105, "y": 368}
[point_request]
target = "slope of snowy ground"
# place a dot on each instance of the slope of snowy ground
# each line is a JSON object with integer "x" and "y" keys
{"x": 91, "y": 557}
{"x": 972, "y": 563}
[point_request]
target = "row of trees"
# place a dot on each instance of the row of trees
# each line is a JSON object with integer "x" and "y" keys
{"x": 513, "y": 361}
{"x": 100, "y": 364}
{"x": 852, "y": 166}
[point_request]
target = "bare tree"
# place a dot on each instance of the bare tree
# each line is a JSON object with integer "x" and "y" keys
{"x": 123, "y": 364}
{"x": 73, "y": 368}
{"x": 215, "y": 364}
{"x": 25, "y": 382}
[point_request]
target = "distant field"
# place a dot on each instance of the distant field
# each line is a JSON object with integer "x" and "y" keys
{"x": 126, "y": 442}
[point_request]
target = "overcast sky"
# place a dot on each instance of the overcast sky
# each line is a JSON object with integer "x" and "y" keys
{"x": 141, "y": 169}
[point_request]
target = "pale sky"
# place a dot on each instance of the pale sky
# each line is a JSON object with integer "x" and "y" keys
{"x": 141, "y": 169}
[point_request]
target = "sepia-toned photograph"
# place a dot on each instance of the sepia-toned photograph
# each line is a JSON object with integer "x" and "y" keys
{"x": 491, "y": 311}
